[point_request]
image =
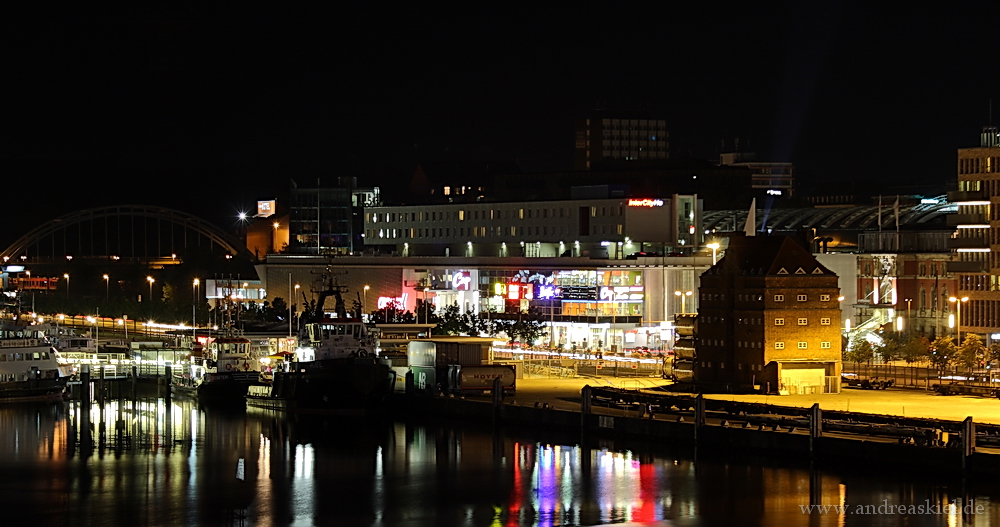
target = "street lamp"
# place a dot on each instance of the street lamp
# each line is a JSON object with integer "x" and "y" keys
{"x": 194, "y": 310}
{"x": 683, "y": 296}
{"x": 909, "y": 321}
{"x": 364, "y": 302}
{"x": 66, "y": 276}
{"x": 107, "y": 287}
{"x": 958, "y": 329}
{"x": 714, "y": 246}
{"x": 150, "y": 279}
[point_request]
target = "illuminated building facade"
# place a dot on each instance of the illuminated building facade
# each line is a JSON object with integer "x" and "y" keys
{"x": 325, "y": 219}
{"x": 977, "y": 240}
{"x": 587, "y": 303}
{"x": 769, "y": 320}
{"x": 600, "y": 228}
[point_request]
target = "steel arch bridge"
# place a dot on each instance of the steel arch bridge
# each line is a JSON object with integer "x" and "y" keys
{"x": 137, "y": 233}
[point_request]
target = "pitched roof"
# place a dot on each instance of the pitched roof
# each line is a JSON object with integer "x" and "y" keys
{"x": 768, "y": 255}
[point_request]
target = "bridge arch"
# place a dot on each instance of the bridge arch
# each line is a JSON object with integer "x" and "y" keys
{"x": 126, "y": 232}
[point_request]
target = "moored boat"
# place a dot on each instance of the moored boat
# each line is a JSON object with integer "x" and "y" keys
{"x": 29, "y": 367}
{"x": 337, "y": 369}
{"x": 230, "y": 371}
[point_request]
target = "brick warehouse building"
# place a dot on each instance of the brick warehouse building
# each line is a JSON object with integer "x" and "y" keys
{"x": 768, "y": 320}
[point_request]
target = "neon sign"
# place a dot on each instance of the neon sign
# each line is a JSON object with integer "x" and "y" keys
{"x": 397, "y": 302}
{"x": 547, "y": 292}
{"x": 645, "y": 202}
{"x": 460, "y": 281}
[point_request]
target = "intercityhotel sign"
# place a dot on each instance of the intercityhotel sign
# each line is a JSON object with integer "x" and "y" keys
{"x": 645, "y": 202}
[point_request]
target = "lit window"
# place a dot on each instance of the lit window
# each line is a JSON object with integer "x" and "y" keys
{"x": 779, "y": 322}
{"x": 824, "y": 345}
{"x": 779, "y": 298}
{"x": 802, "y": 298}
{"x": 803, "y": 321}
{"x": 779, "y": 345}
{"x": 824, "y": 298}
{"x": 824, "y": 321}
{"x": 803, "y": 345}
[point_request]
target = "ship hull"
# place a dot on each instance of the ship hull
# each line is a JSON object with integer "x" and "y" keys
{"x": 348, "y": 385}
{"x": 33, "y": 390}
{"x": 226, "y": 388}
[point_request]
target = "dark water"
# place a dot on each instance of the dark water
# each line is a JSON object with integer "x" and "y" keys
{"x": 156, "y": 463}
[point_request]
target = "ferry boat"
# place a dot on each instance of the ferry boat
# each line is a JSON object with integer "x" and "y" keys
{"x": 337, "y": 370}
{"x": 29, "y": 368}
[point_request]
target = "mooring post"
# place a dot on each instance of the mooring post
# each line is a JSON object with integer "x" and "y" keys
{"x": 497, "y": 398}
{"x": 815, "y": 426}
{"x": 409, "y": 382}
{"x": 135, "y": 381}
{"x": 169, "y": 375}
{"x": 100, "y": 383}
{"x": 585, "y": 395}
{"x": 85, "y": 385}
{"x": 699, "y": 414}
{"x": 968, "y": 441}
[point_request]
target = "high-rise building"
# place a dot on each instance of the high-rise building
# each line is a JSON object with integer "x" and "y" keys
{"x": 611, "y": 141}
{"x": 977, "y": 241}
{"x": 327, "y": 219}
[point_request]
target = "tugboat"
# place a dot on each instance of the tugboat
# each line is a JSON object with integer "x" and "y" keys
{"x": 231, "y": 370}
{"x": 29, "y": 369}
{"x": 336, "y": 371}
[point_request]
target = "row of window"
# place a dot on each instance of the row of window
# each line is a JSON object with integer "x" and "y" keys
{"x": 976, "y": 165}
{"x": 490, "y": 214}
{"x": 802, "y": 321}
{"x": 752, "y": 344}
{"x": 739, "y": 365}
{"x": 802, "y": 345}
{"x": 11, "y": 357}
{"x": 760, "y": 298}
{"x": 487, "y": 232}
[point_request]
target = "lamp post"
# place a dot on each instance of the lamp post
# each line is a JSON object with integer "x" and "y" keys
{"x": 683, "y": 296}
{"x": 958, "y": 322}
{"x": 150, "y": 279}
{"x": 66, "y": 276}
{"x": 290, "y": 300}
{"x": 909, "y": 321}
{"x": 714, "y": 246}
{"x": 364, "y": 301}
{"x": 107, "y": 287}
{"x": 194, "y": 310}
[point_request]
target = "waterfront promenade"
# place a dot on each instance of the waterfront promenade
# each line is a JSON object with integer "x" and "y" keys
{"x": 563, "y": 393}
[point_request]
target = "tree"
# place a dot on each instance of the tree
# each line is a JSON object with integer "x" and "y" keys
{"x": 942, "y": 352}
{"x": 861, "y": 351}
{"x": 915, "y": 349}
{"x": 972, "y": 351}
{"x": 451, "y": 321}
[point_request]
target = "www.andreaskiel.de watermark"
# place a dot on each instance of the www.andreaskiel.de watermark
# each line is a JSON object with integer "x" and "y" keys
{"x": 914, "y": 509}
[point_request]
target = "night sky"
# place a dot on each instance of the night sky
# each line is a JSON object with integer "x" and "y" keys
{"x": 166, "y": 108}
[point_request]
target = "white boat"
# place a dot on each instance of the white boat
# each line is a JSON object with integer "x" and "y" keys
{"x": 29, "y": 367}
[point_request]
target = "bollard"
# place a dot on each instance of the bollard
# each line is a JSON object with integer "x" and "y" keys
{"x": 168, "y": 373}
{"x": 85, "y": 385}
{"x": 409, "y": 383}
{"x": 815, "y": 426}
{"x": 699, "y": 415}
{"x": 968, "y": 441}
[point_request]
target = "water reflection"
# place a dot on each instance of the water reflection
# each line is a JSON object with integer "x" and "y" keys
{"x": 156, "y": 462}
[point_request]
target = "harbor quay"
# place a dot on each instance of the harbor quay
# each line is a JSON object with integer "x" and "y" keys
{"x": 892, "y": 429}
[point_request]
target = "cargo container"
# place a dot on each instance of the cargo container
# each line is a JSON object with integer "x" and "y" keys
{"x": 468, "y": 380}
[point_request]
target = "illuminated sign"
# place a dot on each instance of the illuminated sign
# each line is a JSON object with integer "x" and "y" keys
{"x": 265, "y": 208}
{"x": 397, "y": 302}
{"x": 645, "y": 202}
{"x": 772, "y": 192}
{"x": 548, "y": 292}
{"x": 460, "y": 281}
{"x": 513, "y": 292}
{"x": 621, "y": 293}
